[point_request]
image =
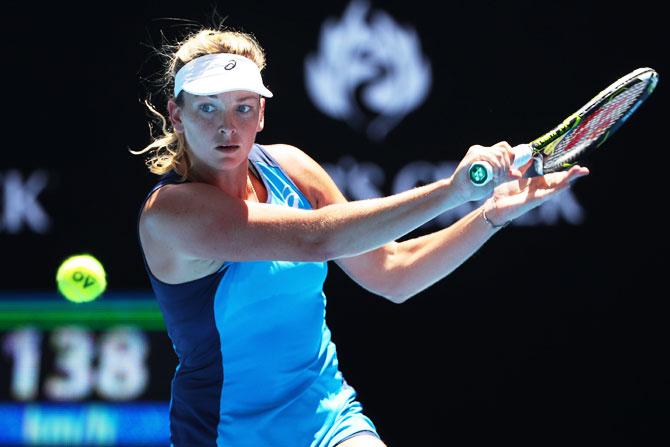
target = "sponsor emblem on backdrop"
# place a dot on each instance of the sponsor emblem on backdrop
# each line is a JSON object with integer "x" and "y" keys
{"x": 368, "y": 70}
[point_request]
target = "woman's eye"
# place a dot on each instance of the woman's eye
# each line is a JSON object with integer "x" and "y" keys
{"x": 207, "y": 108}
{"x": 244, "y": 108}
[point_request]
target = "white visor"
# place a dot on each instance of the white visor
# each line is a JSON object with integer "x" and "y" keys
{"x": 218, "y": 73}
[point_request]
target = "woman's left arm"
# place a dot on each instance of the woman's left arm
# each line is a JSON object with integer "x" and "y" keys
{"x": 400, "y": 270}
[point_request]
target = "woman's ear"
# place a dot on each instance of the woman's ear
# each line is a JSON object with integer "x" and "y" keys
{"x": 175, "y": 116}
{"x": 261, "y": 115}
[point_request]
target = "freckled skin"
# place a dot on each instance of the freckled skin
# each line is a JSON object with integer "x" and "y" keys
{"x": 231, "y": 118}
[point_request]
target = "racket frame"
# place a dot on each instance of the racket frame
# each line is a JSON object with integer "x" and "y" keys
{"x": 543, "y": 146}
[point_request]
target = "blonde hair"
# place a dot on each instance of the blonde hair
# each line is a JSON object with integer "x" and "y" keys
{"x": 168, "y": 151}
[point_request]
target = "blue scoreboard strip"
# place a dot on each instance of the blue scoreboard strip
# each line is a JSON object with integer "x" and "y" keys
{"x": 90, "y": 424}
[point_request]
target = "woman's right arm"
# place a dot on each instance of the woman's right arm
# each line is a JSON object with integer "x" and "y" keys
{"x": 199, "y": 221}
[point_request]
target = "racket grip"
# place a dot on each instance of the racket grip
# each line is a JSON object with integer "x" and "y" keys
{"x": 481, "y": 172}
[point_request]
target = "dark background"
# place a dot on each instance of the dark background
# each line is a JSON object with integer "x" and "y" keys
{"x": 548, "y": 334}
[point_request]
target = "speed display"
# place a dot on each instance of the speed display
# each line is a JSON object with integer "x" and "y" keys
{"x": 80, "y": 374}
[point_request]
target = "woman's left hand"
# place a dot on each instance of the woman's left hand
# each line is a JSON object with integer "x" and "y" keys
{"x": 515, "y": 198}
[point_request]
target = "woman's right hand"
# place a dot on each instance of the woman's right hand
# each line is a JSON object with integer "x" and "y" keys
{"x": 499, "y": 156}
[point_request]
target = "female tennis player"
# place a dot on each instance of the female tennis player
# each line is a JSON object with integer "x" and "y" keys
{"x": 236, "y": 236}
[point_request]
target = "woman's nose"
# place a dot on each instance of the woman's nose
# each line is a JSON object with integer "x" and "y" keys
{"x": 227, "y": 124}
{"x": 227, "y": 127}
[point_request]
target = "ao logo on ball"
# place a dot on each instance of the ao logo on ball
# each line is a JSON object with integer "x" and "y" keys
{"x": 81, "y": 278}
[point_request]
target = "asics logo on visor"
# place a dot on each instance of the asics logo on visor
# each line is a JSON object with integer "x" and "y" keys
{"x": 216, "y": 73}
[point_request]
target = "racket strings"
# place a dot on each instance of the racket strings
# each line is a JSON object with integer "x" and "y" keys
{"x": 593, "y": 127}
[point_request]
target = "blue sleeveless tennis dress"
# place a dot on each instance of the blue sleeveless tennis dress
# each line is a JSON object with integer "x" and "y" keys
{"x": 256, "y": 367}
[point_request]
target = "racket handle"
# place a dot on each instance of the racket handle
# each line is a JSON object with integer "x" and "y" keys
{"x": 481, "y": 172}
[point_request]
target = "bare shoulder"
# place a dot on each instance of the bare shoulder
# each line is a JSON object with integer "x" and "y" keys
{"x": 293, "y": 160}
{"x": 307, "y": 174}
{"x": 159, "y": 240}
{"x": 169, "y": 200}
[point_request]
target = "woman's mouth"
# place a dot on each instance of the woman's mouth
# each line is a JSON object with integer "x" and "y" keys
{"x": 227, "y": 147}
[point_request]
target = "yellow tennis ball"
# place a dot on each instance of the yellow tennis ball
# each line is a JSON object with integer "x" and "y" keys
{"x": 81, "y": 278}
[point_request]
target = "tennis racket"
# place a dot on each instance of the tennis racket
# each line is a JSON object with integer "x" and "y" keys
{"x": 581, "y": 132}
